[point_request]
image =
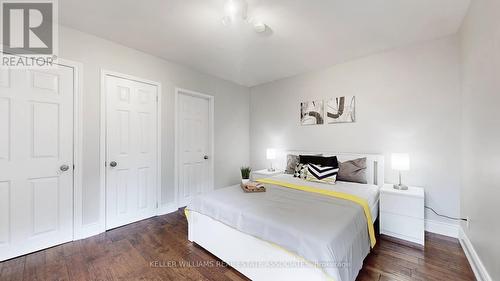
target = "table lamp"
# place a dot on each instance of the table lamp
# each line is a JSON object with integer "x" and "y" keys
{"x": 271, "y": 155}
{"x": 400, "y": 162}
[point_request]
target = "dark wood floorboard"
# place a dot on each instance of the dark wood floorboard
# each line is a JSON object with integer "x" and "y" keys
{"x": 157, "y": 249}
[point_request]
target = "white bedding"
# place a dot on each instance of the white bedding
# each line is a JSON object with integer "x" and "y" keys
{"x": 369, "y": 192}
{"x": 326, "y": 231}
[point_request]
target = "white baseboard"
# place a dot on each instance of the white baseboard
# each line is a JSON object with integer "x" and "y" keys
{"x": 167, "y": 208}
{"x": 93, "y": 229}
{"x": 88, "y": 230}
{"x": 443, "y": 228}
{"x": 475, "y": 262}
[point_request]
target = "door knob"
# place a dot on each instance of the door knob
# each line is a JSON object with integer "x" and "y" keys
{"x": 205, "y": 157}
{"x": 113, "y": 164}
{"x": 64, "y": 168}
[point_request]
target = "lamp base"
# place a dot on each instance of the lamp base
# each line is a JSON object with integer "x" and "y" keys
{"x": 400, "y": 187}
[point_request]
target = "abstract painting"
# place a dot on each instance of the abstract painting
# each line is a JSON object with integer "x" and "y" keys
{"x": 341, "y": 110}
{"x": 312, "y": 113}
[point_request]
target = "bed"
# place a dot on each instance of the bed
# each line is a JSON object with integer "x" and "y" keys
{"x": 287, "y": 233}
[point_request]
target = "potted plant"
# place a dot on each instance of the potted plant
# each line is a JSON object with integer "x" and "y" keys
{"x": 245, "y": 174}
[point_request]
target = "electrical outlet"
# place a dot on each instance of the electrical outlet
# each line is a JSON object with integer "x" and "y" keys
{"x": 468, "y": 222}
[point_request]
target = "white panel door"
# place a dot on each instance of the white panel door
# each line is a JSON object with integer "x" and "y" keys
{"x": 193, "y": 147}
{"x": 36, "y": 159}
{"x": 131, "y": 143}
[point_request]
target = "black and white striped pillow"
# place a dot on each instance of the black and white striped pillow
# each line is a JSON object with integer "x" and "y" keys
{"x": 324, "y": 174}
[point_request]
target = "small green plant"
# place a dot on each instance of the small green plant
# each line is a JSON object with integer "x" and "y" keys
{"x": 245, "y": 172}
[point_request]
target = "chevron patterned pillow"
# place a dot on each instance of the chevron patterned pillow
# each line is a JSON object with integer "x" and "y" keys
{"x": 324, "y": 174}
{"x": 300, "y": 171}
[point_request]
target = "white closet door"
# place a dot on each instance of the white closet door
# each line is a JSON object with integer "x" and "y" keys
{"x": 194, "y": 146}
{"x": 131, "y": 141}
{"x": 36, "y": 159}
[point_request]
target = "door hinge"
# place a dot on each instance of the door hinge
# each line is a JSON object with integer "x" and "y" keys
{"x": 156, "y": 205}
{"x": 73, "y": 167}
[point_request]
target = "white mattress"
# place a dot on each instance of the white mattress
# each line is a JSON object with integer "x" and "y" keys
{"x": 369, "y": 192}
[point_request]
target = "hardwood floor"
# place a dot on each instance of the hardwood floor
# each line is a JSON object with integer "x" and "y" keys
{"x": 157, "y": 249}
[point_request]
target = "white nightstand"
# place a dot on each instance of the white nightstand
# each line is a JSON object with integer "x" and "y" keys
{"x": 402, "y": 213}
{"x": 260, "y": 174}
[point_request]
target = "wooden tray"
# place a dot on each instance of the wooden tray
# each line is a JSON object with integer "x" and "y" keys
{"x": 245, "y": 189}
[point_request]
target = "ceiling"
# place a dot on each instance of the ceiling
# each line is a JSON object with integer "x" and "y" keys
{"x": 306, "y": 34}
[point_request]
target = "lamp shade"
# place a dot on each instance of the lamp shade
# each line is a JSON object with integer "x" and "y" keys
{"x": 271, "y": 154}
{"x": 400, "y": 161}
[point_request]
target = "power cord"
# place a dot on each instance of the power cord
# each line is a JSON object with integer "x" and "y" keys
{"x": 444, "y": 216}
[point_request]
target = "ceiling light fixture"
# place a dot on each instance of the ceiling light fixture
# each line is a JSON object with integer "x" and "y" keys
{"x": 259, "y": 27}
{"x": 233, "y": 10}
{"x": 238, "y": 10}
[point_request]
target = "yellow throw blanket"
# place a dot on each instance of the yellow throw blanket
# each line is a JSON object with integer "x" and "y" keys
{"x": 358, "y": 200}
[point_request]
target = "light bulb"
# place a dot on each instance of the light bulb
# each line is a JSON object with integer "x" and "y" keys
{"x": 234, "y": 9}
{"x": 231, "y": 9}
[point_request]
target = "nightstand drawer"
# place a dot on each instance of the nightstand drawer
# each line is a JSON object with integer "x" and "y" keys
{"x": 402, "y": 205}
{"x": 402, "y": 227}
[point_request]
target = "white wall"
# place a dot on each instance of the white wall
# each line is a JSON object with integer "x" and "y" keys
{"x": 407, "y": 100}
{"x": 231, "y": 111}
{"x": 480, "y": 55}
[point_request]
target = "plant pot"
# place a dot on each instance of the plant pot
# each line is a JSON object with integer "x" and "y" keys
{"x": 244, "y": 181}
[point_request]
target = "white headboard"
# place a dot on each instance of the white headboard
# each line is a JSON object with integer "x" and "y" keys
{"x": 374, "y": 162}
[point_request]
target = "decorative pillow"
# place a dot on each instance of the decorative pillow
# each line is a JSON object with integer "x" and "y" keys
{"x": 291, "y": 163}
{"x": 353, "y": 171}
{"x": 300, "y": 171}
{"x": 319, "y": 160}
{"x": 324, "y": 174}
